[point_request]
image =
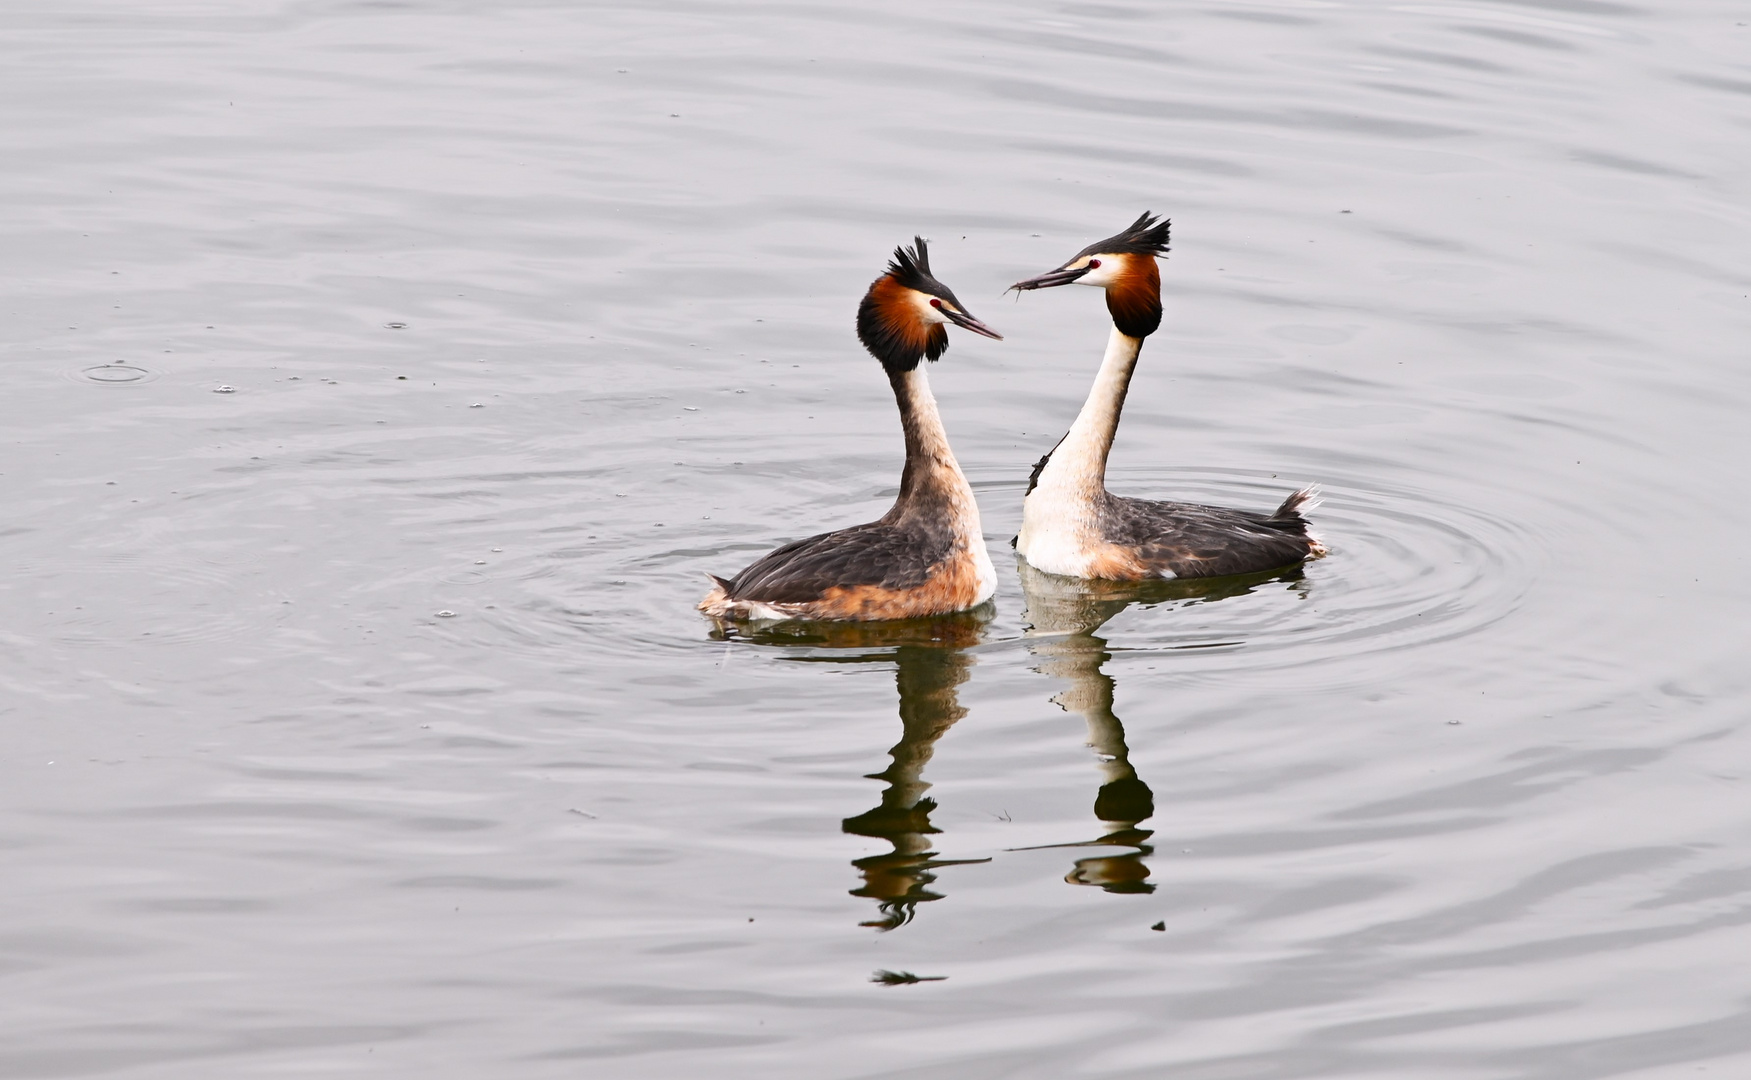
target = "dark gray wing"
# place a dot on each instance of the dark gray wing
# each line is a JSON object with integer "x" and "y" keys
{"x": 874, "y": 554}
{"x": 1191, "y": 540}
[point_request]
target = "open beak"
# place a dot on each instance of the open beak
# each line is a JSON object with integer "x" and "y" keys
{"x": 965, "y": 321}
{"x": 1060, "y": 276}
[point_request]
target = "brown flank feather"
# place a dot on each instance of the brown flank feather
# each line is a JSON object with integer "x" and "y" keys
{"x": 1110, "y": 562}
{"x": 952, "y": 586}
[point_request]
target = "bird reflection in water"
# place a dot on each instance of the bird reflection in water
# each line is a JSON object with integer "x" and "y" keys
{"x": 931, "y": 661}
{"x": 1062, "y": 615}
{"x": 929, "y": 666}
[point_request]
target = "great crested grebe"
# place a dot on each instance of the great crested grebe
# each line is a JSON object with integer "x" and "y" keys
{"x": 925, "y": 556}
{"x": 1071, "y": 524}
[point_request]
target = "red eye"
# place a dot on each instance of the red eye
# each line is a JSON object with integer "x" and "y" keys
{"x": 937, "y": 304}
{"x": 1093, "y": 264}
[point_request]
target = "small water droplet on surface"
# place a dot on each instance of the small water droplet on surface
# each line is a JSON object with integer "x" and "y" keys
{"x": 690, "y": 408}
{"x": 396, "y": 325}
{"x": 480, "y": 562}
{"x": 477, "y": 405}
{"x": 115, "y": 373}
{"x": 446, "y": 614}
{"x": 224, "y": 389}
{"x": 498, "y": 549}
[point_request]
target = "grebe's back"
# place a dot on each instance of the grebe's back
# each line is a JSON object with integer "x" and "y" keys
{"x": 880, "y": 570}
{"x": 1189, "y": 540}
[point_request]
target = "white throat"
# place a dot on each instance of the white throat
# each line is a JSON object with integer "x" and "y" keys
{"x": 1060, "y": 517}
{"x": 1080, "y": 461}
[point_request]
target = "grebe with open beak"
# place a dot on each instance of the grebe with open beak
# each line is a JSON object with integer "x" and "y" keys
{"x": 926, "y": 555}
{"x": 1071, "y": 524}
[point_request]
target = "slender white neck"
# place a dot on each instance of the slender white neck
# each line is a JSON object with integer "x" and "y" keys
{"x": 1080, "y": 461}
{"x": 932, "y": 474}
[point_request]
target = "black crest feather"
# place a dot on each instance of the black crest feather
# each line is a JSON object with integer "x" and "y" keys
{"x": 911, "y": 266}
{"x": 1146, "y": 236}
{"x": 886, "y": 328}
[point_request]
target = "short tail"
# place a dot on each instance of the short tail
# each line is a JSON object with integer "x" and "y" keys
{"x": 1293, "y": 514}
{"x": 1294, "y": 507}
{"x": 727, "y": 586}
{"x": 717, "y": 602}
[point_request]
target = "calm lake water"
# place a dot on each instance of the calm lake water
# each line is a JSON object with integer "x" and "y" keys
{"x": 382, "y": 379}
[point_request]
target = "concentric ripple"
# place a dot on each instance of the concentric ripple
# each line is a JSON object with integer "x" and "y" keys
{"x": 115, "y": 374}
{"x": 146, "y": 598}
{"x": 1405, "y": 568}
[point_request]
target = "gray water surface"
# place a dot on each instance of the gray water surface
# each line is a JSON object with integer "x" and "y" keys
{"x": 383, "y": 378}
